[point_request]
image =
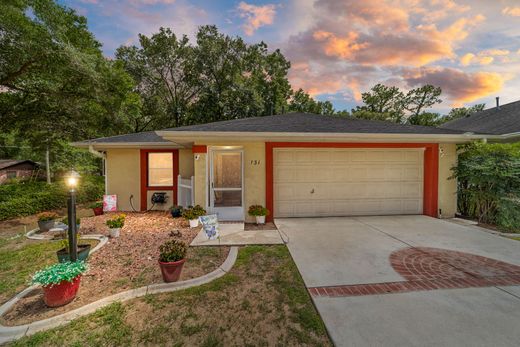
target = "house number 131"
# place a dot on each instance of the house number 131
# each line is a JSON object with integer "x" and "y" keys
{"x": 255, "y": 162}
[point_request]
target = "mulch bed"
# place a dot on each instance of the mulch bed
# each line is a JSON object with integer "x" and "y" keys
{"x": 127, "y": 262}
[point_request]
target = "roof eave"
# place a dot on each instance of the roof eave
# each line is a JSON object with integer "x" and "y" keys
{"x": 180, "y": 136}
{"x": 107, "y": 145}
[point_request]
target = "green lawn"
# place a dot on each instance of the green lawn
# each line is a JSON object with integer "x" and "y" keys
{"x": 261, "y": 302}
{"x": 20, "y": 258}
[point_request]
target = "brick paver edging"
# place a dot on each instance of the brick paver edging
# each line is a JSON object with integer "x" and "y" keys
{"x": 10, "y": 333}
{"x": 430, "y": 269}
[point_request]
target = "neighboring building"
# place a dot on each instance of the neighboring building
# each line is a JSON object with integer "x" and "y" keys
{"x": 10, "y": 169}
{"x": 503, "y": 121}
{"x": 297, "y": 165}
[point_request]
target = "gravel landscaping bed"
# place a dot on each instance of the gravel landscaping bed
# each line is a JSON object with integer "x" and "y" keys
{"x": 127, "y": 262}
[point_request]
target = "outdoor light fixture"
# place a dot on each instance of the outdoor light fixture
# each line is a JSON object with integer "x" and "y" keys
{"x": 72, "y": 180}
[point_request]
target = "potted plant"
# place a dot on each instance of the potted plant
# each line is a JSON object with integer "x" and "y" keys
{"x": 46, "y": 220}
{"x": 97, "y": 207}
{"x": 176, "y": 211}
{"x": 259, "y": 212}
{"x": 192, "y": 214}
{"x": 115, "y": 224}
{"x": 60, "y": 282}
{"x": 171, "y": 259}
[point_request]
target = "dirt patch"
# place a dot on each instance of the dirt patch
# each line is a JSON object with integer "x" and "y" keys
{"x": 254, "y": 226}
{"x": 127, "y": 262}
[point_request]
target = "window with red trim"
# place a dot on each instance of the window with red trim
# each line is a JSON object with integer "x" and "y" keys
{"x": 160, "y": 169}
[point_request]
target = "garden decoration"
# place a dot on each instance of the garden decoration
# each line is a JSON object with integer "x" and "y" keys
{"x": 97, "y": 208}
{"x": 46, "y": 220}
{"x": 192, "y": 214}
{"x": 72, "y": 183}
{"x": 171, "y": 259}
{"x": 210, "y": 226}
{"x": 60, "y": 282}
{"x": 115, "y": 224}
{"x": 259, "y": 212}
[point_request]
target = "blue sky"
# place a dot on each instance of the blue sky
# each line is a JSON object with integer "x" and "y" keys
{"x": 340, "y": 48}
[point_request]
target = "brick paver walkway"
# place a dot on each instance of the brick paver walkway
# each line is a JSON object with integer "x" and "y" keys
{"x": 432, "y": 268}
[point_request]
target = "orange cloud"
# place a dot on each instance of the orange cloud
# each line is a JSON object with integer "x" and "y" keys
{"x": 342, "y": 47}
{"x": 256, "y": 16}
{"x": 460, "y": 86}
{"x": 485, "y": 57}
{"x": 495, "y": 52}
{"x": 511, "y": 11}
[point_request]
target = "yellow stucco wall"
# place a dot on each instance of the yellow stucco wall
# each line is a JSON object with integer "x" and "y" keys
{"x": 186, "y": 163}
{"x": 254, "y": 174}
{"x": 123, "y": 177}
{"x": 447, "y": 187}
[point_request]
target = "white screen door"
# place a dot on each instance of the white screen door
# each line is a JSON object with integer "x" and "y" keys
{"x": 226, "y": 184}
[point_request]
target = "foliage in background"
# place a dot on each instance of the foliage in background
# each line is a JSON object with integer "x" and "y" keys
{"x": 57, "y": 273}
{"x": 489, "y": 183}
{"x": 257, "y": 210}
{"x": 26, "y": 198}
{"x": 118, "y": 221}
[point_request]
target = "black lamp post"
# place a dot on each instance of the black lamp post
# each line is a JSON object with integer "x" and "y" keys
{"x": 72, "y": 183}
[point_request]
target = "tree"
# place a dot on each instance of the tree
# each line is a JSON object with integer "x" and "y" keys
{"x": 419, "y": 99}
{"x": 462, "y": 112}
{"x": 426, "y": 118}
{"x": 382, "y": 103}
{"x": 303, "y": 102}
{"x": 56, "y": 83}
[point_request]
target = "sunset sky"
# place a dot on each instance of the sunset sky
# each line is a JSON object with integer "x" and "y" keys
{"x": 340, "y": 48}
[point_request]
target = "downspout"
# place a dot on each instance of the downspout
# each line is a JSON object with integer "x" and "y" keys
{"x": 103, "y": 157}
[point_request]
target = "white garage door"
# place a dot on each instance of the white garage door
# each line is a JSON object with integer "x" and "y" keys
{"x": 347, "y": 182}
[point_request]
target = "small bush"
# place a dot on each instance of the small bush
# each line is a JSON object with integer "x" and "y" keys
{"x": 117, "y": 221}
{"x": 172, "y": 250}
{"x": 57, "y": 273}
{"x": 47, "y": 216}
{"x": 195, "y": 212}
{"x": 257, "y": 210}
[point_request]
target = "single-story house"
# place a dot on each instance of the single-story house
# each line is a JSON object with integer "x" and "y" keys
{"x": 296, "y": 164}
{"x": 503, "y": 121}
{"x": 10, "y": 169}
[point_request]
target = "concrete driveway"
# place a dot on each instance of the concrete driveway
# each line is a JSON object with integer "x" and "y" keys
{"x": 408, "y": 280}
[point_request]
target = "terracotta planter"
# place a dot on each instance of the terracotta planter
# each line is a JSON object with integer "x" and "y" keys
{"x": 171, "y": 271}
{"x": 260, "y": 219}
{"x": 194, "y": 223}
{"x": 114, "y": 232}
{"x": 46, "y": 225}
{"x": 98, "y": 211}
{"x": 62, "y": 293}
{"x": 83, "y": 252}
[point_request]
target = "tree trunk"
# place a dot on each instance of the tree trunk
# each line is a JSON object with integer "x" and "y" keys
{"x": 48, "y": 165}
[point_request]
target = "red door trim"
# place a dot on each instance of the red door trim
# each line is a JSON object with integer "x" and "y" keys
{"x": 144, "y": 175}
{"x": 431, "y": 168}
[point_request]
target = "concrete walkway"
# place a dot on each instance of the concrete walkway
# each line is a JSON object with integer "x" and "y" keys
{"x": 355, "y": 252}
{"x": 10, "y": 333}
{"x": 233, "y": 234}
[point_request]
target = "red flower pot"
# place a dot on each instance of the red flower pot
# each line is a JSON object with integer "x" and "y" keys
{"x": 98, "y": 211}
{"x": 171, "y": 271}
{"x": 62, "y": 293}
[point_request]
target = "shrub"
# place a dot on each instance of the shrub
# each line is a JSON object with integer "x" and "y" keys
{"x": 193, "y": 212}
{"x": 117, "y": 221}
{"x": 489, "y": 183}
{"x": 172, "y": 250}
{"x": 257, "y": 210}
{"x": 66, "y": 220}
{"x": 30, "y": 197}
{"x": 97, "y": 204}
{"x": 47, "y": 216}
{"x": 57, "y": 273}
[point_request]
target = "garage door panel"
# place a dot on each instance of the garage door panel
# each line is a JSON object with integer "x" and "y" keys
{"x": 342, "y": 182}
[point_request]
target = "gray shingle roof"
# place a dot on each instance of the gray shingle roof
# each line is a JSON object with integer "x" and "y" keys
{"x": 505, "y": 120}
{"x": 144, "y": 137}
{"x": 6, "y": 163}
{"x": 312, "y": 123}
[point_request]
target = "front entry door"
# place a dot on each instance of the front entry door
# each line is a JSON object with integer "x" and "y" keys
{"x": 226, "y": 184}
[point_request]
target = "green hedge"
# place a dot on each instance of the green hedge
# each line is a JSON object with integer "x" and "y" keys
{"x": 26, "y": 198}
{"x": 488, "y": 178}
